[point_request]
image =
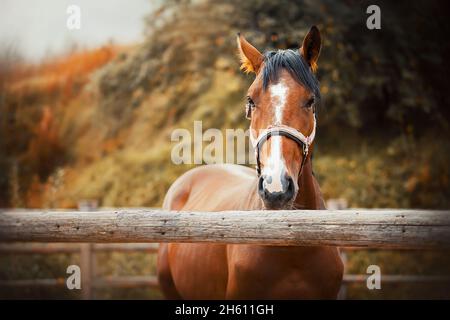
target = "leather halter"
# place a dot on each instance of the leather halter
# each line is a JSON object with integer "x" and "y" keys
{"x": 285, "y": 131}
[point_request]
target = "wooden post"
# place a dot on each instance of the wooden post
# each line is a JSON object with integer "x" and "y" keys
{"x": 86, "y": 270}
{"x": 342, "y": 295}
{"x": 87, "y": 259}
{"x": 340, "y": 204}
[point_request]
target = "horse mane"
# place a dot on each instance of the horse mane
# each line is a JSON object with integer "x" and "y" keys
{"x": 295, "y": 64}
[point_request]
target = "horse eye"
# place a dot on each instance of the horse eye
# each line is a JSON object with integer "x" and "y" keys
{"x": 250, "y": 105}
{"x": 310, "y": 103}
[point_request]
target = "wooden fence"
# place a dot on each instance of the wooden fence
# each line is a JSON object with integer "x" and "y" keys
{"x": 390, "y": 229}
{"x": 91, "y": 281}
{"x": 403, "y": 229}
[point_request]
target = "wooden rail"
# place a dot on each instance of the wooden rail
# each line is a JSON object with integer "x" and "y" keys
{"x": 90, "y": 278}
{"x": 150, "y": 281}
{"x": 405, "y": 229}
{"x": 399, "y": 278}
{"x": 103, "y": 282}
{"x": 47, "y": 248}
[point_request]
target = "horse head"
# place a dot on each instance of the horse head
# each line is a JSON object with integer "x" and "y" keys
{"x": 281, "y": 106}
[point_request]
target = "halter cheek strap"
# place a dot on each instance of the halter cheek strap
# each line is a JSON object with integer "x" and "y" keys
{"x": 285, "y": 131}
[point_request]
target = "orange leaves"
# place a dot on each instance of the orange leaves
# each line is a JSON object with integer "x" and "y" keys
{"x": 39, "y": 98}
{"x": 63, "y": 75}
{"x": 45, "y": 151}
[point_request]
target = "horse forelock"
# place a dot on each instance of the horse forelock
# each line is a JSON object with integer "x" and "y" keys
{"x": 295, "y": 64}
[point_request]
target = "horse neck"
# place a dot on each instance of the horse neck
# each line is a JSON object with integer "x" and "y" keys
{"x": 308, "y": 196}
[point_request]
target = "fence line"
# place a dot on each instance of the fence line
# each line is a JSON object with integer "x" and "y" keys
{"x": 43, "y": 248}
{"x": 403, "y": 229}
{"x": 104, "y": 282}
{"x": 90, "y": 279}
{"x": 397, "y": 278}
{"x": 112, "y": 230}
{"x": 150, "y": 281}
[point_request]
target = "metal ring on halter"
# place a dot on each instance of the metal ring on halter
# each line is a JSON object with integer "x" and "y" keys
{"x": 288, "y": 132}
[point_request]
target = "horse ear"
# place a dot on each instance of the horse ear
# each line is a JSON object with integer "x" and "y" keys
{"x": 310, "y": 48}
{"x": 251, "y": 58}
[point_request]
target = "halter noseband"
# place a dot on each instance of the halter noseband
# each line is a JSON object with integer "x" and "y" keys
{"x": 285, "y": 131}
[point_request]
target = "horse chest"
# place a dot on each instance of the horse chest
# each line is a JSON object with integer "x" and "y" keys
{"x": 200, "y": 271}
{"x": 282, "y": 272}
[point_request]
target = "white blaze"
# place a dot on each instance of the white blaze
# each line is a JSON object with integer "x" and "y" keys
{"x": 275, "y": 167}
{"x": 278, "y": 93}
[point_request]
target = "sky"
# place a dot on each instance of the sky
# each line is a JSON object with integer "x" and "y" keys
{"x": 38, "y": 28}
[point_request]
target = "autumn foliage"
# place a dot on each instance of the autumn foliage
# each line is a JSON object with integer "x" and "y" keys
{"x": 64, "y": 76}
{"x": 45, "y": 150}
{"x": 32, "y": 99}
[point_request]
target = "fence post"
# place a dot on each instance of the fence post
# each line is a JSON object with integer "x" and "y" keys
{"x": 342, "y": 295}
{"x": 86, "y": 270}
{"x": 340, "y": 204}
{"x": 87, "y": 258}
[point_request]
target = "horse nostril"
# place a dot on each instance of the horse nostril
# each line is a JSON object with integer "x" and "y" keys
{"x": 290, "y": 190}
{"x": 261, "y": 190}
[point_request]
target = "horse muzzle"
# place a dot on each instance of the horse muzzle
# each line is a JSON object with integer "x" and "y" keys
{"x": 277, "y": 198}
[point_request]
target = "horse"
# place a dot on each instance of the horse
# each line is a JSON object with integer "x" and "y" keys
{"x": 281, "y": 104}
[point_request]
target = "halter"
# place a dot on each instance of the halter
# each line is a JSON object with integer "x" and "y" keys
{"x": 285, "y": 131}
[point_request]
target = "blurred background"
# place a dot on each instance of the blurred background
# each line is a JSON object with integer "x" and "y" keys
{"x": 86, "y": 115}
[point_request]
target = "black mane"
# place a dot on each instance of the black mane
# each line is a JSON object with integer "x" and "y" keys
{"x": 293, "y": 62}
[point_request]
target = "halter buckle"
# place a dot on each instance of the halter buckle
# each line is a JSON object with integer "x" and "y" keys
{"x": 305, "y": 149}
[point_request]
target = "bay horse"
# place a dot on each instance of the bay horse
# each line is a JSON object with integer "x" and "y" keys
{"x": 281, "y": 105}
